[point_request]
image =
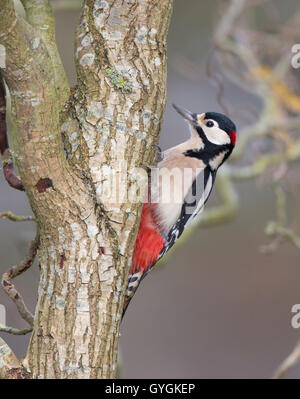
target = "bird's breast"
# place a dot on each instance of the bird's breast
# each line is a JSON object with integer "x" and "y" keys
{"x": 170, "y": 185}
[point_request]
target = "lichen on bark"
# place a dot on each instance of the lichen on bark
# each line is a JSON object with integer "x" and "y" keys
{"x": 86, "y": 242}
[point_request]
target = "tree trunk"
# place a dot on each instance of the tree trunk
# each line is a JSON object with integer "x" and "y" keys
{"x": 111, "y": 119}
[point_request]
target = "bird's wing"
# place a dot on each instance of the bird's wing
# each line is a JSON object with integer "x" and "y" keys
{"x": 193, "y": 203}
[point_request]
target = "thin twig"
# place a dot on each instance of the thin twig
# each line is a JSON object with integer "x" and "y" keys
{"x": 15, "y": 218}
{"x": 275, "y": 229}
{"x": 292, "y": 360}
{"x": 228, "y": 20}
{"x": 15, "y": 271}
{"x": 218, "y": 81}
{"x": 15, "y": 331}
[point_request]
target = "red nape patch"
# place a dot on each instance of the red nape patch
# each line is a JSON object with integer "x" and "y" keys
{"x": 233, "y": 137}
{"x": 149, "y": 242}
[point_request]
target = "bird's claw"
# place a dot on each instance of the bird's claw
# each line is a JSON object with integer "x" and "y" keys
{"x": 158, "y": 157}
{"x": 147, "y": 167}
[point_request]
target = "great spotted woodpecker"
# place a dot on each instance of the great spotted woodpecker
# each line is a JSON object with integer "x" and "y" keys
{"x": 163, "y": 220}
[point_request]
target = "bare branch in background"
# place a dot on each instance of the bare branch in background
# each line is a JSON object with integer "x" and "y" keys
{"x": 10, "y": 289}
{"x": 234, "y": 10}
{"x": 278, "y": 230}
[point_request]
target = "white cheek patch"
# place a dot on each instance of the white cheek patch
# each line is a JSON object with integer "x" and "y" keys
{"x": 216, "y": 135}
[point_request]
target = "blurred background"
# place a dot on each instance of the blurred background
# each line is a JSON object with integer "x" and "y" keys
{"x": 219, "y": 307}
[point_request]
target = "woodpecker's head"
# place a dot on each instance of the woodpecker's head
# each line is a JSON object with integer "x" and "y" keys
{"x": 213, "y": 136}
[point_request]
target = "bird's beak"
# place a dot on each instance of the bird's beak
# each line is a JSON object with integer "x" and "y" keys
{"x": 187, "y": 115}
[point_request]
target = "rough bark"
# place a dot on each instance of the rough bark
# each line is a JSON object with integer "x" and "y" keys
{"x": 112, "y": 116}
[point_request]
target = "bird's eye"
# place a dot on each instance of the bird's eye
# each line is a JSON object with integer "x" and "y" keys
{"x": 210, "y": 123}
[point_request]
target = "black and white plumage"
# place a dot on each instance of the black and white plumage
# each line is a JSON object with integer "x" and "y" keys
{"x": 180, "y": 186}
